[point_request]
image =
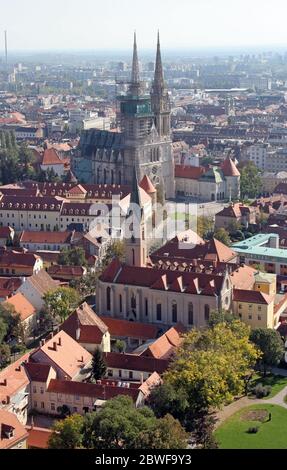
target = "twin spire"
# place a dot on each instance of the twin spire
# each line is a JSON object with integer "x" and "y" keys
{"x": 158, "y": 76}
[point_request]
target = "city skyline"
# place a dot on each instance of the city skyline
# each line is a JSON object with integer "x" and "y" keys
{"x": 204, "y": 24}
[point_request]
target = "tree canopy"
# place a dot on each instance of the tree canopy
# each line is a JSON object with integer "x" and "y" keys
{"x": 212, "y": 363}
{"x": 271, "y": 346}
{"x": 61, "y": 302}
{"x": 250, "y": 181}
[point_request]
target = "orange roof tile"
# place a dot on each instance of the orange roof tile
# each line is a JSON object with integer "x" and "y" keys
{"x": 147, "y": 185}
{"x": 9, "y": 421}
{"x": 38, "y": 437}
{"x": 229, "y": 168}
{"x": 65, "y": 353}
{"x": 51, "y": 157}
{"x": 21, "y": 305}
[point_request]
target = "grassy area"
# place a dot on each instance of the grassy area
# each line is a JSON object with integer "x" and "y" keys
{"x": 277, "y": 382}
{"x": 271, "y": 434}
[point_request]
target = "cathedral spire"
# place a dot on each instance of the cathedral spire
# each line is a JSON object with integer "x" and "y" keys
{"x": 135, "y": 66}
{"x": 135, "y": 85}
{"x": 158, "y": 75}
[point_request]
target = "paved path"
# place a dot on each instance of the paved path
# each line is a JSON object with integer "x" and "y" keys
{"x": 243, "y": 402}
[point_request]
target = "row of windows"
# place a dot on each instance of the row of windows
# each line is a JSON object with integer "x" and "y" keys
{"x": 250, "y": 316}
{"x": 133, "y": 304}
{"x": 53, "y": 407}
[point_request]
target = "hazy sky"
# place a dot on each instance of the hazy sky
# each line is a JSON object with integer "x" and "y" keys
{"x": 109, "y": 24}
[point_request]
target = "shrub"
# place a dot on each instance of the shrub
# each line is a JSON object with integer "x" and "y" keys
{"x": 253, "y": 430}
{"x": 262, "y": 391}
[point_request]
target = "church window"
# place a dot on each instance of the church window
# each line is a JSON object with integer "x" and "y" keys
{"x": 174, "y": 312}
{"x": 133, "y": 253}
{"x": 108, "y": 298}
{"x": 133, "y": 301}
{"x": 190, "y": 313}
{"x": 206, "y": 312}
{"x": 146, "y": 307}
{"x": 121, "y": 304}
{"x": 158, "y": 312}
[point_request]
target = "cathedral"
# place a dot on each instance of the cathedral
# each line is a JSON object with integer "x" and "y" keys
{"x": 143, "y": 144}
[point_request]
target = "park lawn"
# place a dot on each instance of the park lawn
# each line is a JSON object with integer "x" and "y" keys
{"x": 271, "y": 435}
{"x": 277, "y": 382}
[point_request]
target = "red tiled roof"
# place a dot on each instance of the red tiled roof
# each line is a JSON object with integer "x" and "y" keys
{"x": 7, "y": 421}
{"x": 147, "y": 185}
{"x": 92, "y": 328}
{"x": 69, "y": 356}
{"x": 150, "y": 277}
{"x": 14, "y": 258}
{"x": 173, "y": 250}
{"x": 136, "y": 363}
{"x": 125, "y": 328}
{"x": 46, "y": 237}
{"x": 38, "y": 437}
{"x": 21, "y": 305}
{"x": 9, "y": 285}
{"x": 59, "y": 270}
{"x": 5, "y": 232}
{"x": 104, "y": 391}
{"x": 110, "y": 272}
{"x": 51, "y": 157}
{"x": 15, "y": 377}
{"x": 229, "y": 168}
{"x": 164, "y": 347}
{"x": 252, "y": 297}
{"x": 190, "y": 172}
{"x": 37, "y": 372}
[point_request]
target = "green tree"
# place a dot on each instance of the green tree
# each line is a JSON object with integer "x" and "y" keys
{"x": 86, "y": 285}
{"x": 115, "y": 250}
{"x": 5, "y": 354}
{"x": 212, "y": 363}
{"x": 119, "y": 425}
{"x": 120, "y": 346}
{"x": 61, "y": 302}
{"x": 205, "y": 226}
{"x": 219, "y": 316}
{"x": 3, "y": 329}
{"x": 67, "y": 434}
{"x": 167, "y": 399}
{"x": 167, "y": 433}
{"x": 72, "y": 257}
{"x": 271, "y": 346}
{"x": 250, "y": 181}
{"x": 222, "y": 235}
{"x": 99, "y": 367}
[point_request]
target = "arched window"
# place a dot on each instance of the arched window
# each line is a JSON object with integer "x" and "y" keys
{"x": 98, "y": 176}
{"x": 190, "y": 313}
{"x": 174, "y": 312}
{"x": 120, "y": 177}
{"x": 121, "y": 303}
{"x": 108, "y": 298}
{"x": 112, "y": 177}
{"x": 105, "y": 176}
{"x": 206, "y": 312}
{"x": 133, "y": 301}
{"x": 134, "y": 258}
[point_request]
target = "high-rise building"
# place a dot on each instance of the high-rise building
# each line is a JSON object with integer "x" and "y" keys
{"x": 143, "y": 143}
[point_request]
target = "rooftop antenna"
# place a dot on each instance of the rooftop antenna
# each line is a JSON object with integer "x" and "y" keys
{"x": 6, "y": 48}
